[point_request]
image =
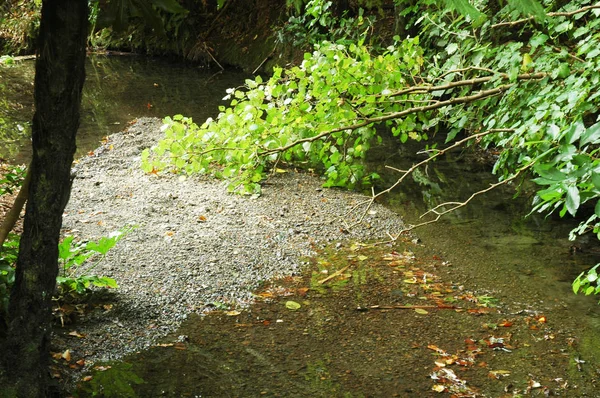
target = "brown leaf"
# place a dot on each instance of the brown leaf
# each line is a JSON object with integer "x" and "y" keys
{"x": 66, "y": 355}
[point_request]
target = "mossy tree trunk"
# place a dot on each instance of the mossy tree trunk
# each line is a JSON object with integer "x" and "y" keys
{"x": 59, "y": 80}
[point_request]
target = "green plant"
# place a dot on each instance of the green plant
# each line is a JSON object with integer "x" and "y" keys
{"x": 72, "y": 255}
{"x": 316, "y": 114}
{"x": 12, "y": 179}
{"x": 8, "y": 257}
{"x": 317, "y": 24}
{"x": 517, "y": 79}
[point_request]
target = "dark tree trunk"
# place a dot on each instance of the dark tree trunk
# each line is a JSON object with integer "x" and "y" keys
{"x": 58, "y": 83}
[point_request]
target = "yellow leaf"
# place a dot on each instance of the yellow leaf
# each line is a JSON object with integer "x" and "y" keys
{"x": 292, "y": 305}
{"x": 232, "y": 313}
{"x": 66, "y": 355}
{"x": 438, "y": 388}
{"x": 421, "y": 311}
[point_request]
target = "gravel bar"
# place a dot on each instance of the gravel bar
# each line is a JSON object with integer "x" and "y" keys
{"x": 196, "y": 245}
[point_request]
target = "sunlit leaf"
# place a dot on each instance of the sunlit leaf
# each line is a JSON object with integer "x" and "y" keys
{"x": 292, "y": 305}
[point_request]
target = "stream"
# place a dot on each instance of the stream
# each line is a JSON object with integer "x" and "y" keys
{"x": 478, "y": 304}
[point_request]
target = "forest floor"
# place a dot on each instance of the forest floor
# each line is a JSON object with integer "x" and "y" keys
{"x": 226, "y": 296}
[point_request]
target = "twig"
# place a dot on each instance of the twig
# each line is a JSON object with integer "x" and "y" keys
{"x": 550, "y": 14}
{"x": 336, "y": 273}
{"x": 408, "y": 307}
{"x": 461, "y": 36}
{"x": 264, "y": 60}
{"x": 466, "y": 70}
{"x": 438, "y": 153}
{"x": 214, "y": 59}
{"x": 457, "y": 205}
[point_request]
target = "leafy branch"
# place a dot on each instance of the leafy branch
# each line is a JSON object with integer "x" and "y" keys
{"x": 550, "y": 14}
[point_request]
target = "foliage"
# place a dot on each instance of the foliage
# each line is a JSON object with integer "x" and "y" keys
{"x": 72, "y": 255}
{"x": 11, "y": 179}
{"x": 317, "y": 24}
{"x": 8, "y": 257}
{"x": 334, "y": 86}
{"x": 528, "y": 87}
{"x": 19, "y": 25}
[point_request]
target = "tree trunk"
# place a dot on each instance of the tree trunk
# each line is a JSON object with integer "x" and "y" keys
{"x": 59, "y": 80}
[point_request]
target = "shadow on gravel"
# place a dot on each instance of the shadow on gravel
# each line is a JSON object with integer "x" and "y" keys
{"x": 362, "y": 322}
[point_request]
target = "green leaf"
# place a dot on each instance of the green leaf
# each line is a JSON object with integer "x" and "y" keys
{"x": 591, "y": 135}
{"x": 529, "y": 8}
{"x": 64, "y": 248}
{"x": 465, "y": 8}
{"x": 292, "y": 305}
{"x": 577, "y": 284}
{"x": 572, "y": 201}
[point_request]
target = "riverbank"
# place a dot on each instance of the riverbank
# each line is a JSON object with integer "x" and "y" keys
{"x": 196, "y": 247}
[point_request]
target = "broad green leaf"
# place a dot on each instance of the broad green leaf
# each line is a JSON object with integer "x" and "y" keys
{"x": 591, "y": 135}
{"x": 572, "y": 200}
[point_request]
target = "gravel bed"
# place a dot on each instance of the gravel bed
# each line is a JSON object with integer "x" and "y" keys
{"x": 195, "y": 245}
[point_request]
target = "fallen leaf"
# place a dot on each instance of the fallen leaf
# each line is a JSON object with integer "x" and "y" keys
{"x": 87, "y": 378}
{"x": 362, "y": 258}
{"x": 497, "y": 374}
{"x": 541, "y": 319}
{"x": 438, "y": 388}
{"x": 202, "y": 218}
{"x": 101, "y": 368}
{"x": 81, "y": 362}
{"x": 505, "y": 324}
{"x": 292, "y": 305}
{"x": 232, "y": 313}
{"x": 66, "y": 355}
{"x": 421, "y": 311}
{"x": 75, "y": 333}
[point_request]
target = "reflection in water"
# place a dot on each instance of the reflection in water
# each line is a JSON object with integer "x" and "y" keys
{"x": 117, "y": 90}
{"x": 495, "y": 242}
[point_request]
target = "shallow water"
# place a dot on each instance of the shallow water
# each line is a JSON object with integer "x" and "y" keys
{"x": 117, "y": 90}
{"x": 483, "y": 255}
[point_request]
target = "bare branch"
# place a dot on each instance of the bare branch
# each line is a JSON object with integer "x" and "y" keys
{"x": 457, "y": 205}
{"x": 369, "y": 202}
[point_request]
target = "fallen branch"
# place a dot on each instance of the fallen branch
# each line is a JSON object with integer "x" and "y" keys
{"x": 425, "y": 108}
{"x": 456, "y": 205}
{"x": 408, "y": 307}
{"x": 394, "y": 115}
{"x": 438, "y": 153}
